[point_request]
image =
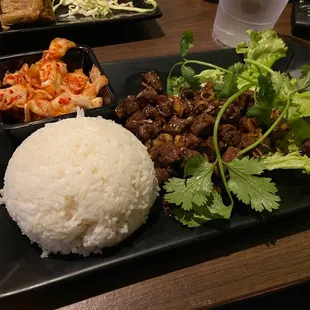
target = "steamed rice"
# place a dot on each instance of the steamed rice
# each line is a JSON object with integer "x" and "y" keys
{"x": 80, "y": 185}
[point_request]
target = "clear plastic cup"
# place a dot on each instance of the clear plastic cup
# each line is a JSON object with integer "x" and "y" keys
{"x": 234, "y": 17}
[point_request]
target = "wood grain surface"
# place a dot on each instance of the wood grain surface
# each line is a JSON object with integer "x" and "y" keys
{"x": 260, "y": 259}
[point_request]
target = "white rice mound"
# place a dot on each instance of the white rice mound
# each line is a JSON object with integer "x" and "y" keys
{"x": 80, "y": 185}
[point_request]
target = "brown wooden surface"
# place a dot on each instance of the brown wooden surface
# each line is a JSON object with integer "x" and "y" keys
{"x": 237, "y": 266}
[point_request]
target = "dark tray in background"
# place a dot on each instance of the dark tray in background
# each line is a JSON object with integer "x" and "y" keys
{"x": 22, "y": 269}
{"x": 81, "y": 21}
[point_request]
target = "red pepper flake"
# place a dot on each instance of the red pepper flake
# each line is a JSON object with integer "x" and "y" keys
{"x": 11, "y": 91}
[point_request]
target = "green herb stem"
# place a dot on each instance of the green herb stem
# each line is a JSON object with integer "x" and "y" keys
{"x": 174, "y": 66}
{"x": 267, "y": 133}
{"x": 253, "y": 62}
{"x": 215, "y": 137}
{"x": 206, "y": 64}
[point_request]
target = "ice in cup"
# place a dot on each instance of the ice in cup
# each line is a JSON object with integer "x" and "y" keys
{"x": 234, "y": 17}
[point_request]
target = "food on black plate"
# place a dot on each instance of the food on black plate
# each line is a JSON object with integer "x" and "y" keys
{"x": 213, "y": 134}
{"x": 101, "y": 8}
{"x": 79, "y": 185}
{"x": 46, "y": 88}
{"x": 25, "y": 11}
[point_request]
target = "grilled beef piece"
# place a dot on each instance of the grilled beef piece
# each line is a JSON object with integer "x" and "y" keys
{"x": 282, "y": 129}
{"x": 188, "y": 140}
{"x": 191, "y": 153}
{"x": 249, "y": 124}
{"x": 175, "y": 126}
{"x": 127, "y": 107}
{"x": 135, "y": 121}
{"x": 161, "y": 139}
{"x": 166, "y": 155}
{"x": 152, "y": 79}
{"x": 149, "y": 93}
{"x": 164, "y": 105}
{"x": 249, "y": 138}
{"x": 203, "y": 125}
{"x": 232, "y": 114}
{"x": 305, "y": 149}
{"x": 163, "y": 174}
{"x": 230, "y": 154}
{"x": 149, "y": 130}
{"x": 230, "y": 134}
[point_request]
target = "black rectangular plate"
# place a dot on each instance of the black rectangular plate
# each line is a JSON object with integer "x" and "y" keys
{"x": 81, "y": 21}
{"x": 22, "y": 269}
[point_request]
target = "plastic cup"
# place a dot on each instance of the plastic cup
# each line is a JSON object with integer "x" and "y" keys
{"x": 234, "y": 17}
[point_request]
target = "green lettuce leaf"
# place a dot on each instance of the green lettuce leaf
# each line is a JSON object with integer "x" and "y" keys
{"x": 210, "y": 75}
{"x": 290, "y": 161}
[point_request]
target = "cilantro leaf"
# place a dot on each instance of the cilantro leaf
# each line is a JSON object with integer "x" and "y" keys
{"x": 213, "y": 209}
{"x": 304, "y": 81}
{"x": 193, "y": 190}
{"x": 186, "y": 42}
{"x": 300, "y": 131}
{"x": 259, "y": 192}
{"x": 263, "y": 107}
{"x": 290, "y": 161}
{"x": 190, "y": 77}
{"x": 175, "y": 85}
{"x": 229, "y": 85}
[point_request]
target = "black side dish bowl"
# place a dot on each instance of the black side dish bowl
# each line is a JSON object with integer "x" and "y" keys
{"x": 81, "y": 57}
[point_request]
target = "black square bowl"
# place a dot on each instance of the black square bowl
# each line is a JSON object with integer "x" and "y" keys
{"x": 81, "y": 57}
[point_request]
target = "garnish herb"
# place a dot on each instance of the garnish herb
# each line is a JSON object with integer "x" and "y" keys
{"x": 195, "y": 199}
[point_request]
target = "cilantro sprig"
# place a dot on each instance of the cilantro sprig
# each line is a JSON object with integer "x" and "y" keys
{"x": 194, "y": 196}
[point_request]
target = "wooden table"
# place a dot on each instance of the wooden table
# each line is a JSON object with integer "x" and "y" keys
{"x": 261, "y": 259}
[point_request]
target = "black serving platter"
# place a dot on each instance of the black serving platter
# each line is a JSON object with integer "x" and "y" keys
{"x": 81, "y": 57}
{"x": 81, "y": 21}
{"x": 22, "y": 269}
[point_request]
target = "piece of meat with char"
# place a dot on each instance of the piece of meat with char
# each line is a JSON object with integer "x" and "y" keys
{"x": 163, "y": 174}
{"x": 149, "y": 93}
{"x": 230, "y": 154}
{"x": 188, "y": 140}
{"x": 152, "y": 79}
{"x": 149, "y": 130}
{"x": 164, "y": 105}
{"x": 175, "y": 126}
{"x": 249, "y": 124}
{"x": 230, "y": 134}
{"x": 203, "y": 125}
{"x": 282, "y": 129}
{"x": 166, "y": 154}
{"x": 248, "y": 139}
{"x": 135, "y": 121}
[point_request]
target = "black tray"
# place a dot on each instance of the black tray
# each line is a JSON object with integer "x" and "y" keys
{"x": 22, "y": 269}
{"x": 76, "y": 58}
{"x": 81, "y": 21}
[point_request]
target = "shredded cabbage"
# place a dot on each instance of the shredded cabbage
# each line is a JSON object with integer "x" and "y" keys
{"x": 100, "y": 8}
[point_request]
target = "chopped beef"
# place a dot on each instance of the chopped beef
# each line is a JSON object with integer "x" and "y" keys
{"x": 230, "y": 134}
{"x": 152, "y": 79}
{"x": 135, "y": 121}
{"x": 167, "y": 154}
{"x": 175, "y": 126}
{"x": 164, "y": 105}
{"x": 232, "y": 114}
{"x": 161, "y": 139}
{"x": 249, "y": 124}
{"x": 282, "y": 129}
{"x": 149, "y": 130}
{"x": 190, "y": 153}
{"x": 208, "y": 147}
{"x": 203, "y": 125}
{"x": 163, "y": 174}
{"x": 230, "y": 154}
{"x": 179, "y": 106}
{"x": 188, "y": 140}
{"x": 149, "y": 93}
